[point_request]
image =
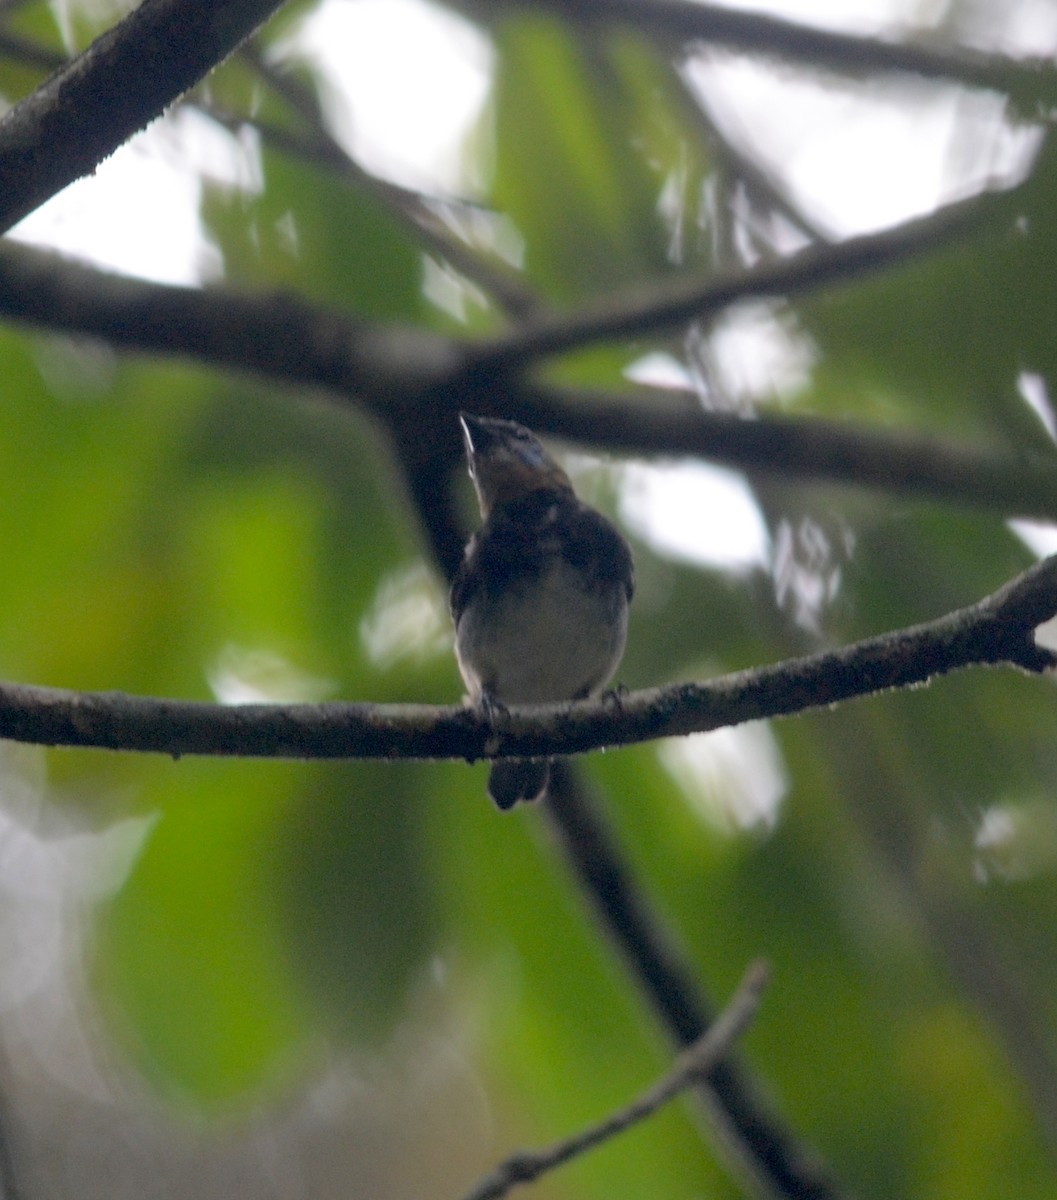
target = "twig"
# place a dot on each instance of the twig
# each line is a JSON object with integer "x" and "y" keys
{"x": 692, "y": 1065}
{"x": 29, "y": 53}
{"x": 409, "y": 207}
{"x": 998, "y": 629}
{"x": 752, "y": 1136}
{"x": 678, "y": 300}
{"x": 1031, "y": 82}
{"x": 125, "y": 79}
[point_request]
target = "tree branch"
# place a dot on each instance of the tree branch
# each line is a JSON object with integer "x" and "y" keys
{"x": 998, "y": 629}
{"x": 673, "y": 424}
{"x": 408, "y": 207}
{"x": 1029, "y": 82}
{"x": 279, "y": 336}
{"x": 125, "y": 79}
{"x": 390, "y": 371}
{"x": 693, "y": 1065}
{"x": 752, "y": 1135}
{"x": 680, "y": 299}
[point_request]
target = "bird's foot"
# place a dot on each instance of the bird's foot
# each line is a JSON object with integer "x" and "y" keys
{"x": 491, "y": 709}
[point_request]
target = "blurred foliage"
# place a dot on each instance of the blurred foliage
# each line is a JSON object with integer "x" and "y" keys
{"x": 171, "y": 531}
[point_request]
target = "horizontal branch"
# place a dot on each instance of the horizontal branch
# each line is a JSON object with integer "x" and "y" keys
{"x": 125, "y": 79}
{"x": 670, "y": 423}
{"x": 998, "y": 629}
{"x": 277, "y": 335}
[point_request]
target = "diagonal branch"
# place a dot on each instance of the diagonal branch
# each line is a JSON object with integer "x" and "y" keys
{"x": 279, "y": 336}
{"x": 693, "y": 1064}
{"x": 676, "y": 301}
{"x": 759, "y": 1145}
{"x": 998, "y": 629}
{"x": 125, "y": 79}
{"x": 413, "y": 210}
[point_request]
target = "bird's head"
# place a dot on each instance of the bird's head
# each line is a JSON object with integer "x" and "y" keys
{"x": 507, "y": 462}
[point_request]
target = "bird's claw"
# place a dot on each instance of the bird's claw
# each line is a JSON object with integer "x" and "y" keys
{"x": 491, "y": 709}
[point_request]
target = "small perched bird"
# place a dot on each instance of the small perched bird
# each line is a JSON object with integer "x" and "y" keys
{"x": 540, "y": 601}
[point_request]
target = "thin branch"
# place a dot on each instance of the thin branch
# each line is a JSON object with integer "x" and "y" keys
{"x": 680, "y": 299}
{"x": 998, "y": 629}
{"x": 1031, "y": 82}
{"x": 404, "y": 376}
{"x": 752, "y": 1136}
{"x": 125, "y": 79}
{"x": 409, "y": 207}
{"x": 760, "y": 182}
{"x": 694, "y": 1064}
{"x": 30, "y": 53}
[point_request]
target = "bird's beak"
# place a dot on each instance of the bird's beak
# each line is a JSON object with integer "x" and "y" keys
{"x": 468, "y": 424}
{"x": 479, "y": 435}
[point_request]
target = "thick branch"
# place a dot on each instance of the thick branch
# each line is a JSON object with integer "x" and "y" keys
{"x": 999, "y": 629}
{"x": 806, "y": 448}
{"x": 125, "y": 79}
{"x": 278, "y": 336}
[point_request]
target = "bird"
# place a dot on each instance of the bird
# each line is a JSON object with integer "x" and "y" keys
{"x": 540, "y": 599}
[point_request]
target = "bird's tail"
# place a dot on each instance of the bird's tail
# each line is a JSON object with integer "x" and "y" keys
{"x": 518, "y": 779}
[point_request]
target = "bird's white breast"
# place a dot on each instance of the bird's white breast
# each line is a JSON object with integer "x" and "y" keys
{"x": 547, "y": 638}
